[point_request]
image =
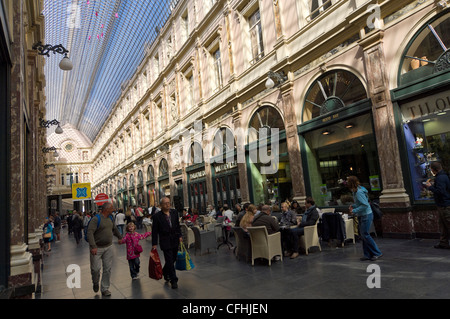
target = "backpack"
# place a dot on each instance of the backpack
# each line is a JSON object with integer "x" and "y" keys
{"x": 98, "y": 224}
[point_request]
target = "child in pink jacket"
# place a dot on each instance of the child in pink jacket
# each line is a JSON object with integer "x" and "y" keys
{"x": 134, "y": 250}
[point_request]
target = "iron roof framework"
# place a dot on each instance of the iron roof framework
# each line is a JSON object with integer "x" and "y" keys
{"x": 107, "y": 40}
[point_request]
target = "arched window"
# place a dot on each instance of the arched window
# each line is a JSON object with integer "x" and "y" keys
{"x": 265, "y": 118}
{"x": 428, "y": 52}
{"x": 331, "y": 92}
{"x": 140, "y": 178}
{"x": 163, "y": 167}
{"x": 131, "y": 180}
{"x": 150, "y": 173}
{"x": 223, "y": 142}
{"x": 124, "y": 182}
{"x": 195, "y": 154}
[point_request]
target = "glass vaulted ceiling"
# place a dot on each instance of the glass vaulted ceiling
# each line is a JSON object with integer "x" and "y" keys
{"x": 107, "y": 40}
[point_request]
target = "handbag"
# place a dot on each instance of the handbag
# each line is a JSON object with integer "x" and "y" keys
{"x": 184, "y": 261}
{"x": 138, "y": 249}
{"x": 155, "y": 270}
{"x": 377, "y": 213}
{"x": 48, "y": 234}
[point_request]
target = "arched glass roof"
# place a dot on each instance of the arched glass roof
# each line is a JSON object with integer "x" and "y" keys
{"x": 107, "y": 40}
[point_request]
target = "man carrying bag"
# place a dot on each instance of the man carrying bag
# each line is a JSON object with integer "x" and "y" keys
{"x": 166, "y": 229}
{"x": 184, "y": 261}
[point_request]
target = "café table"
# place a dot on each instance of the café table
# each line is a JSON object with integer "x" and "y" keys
{"x": 226, "y": 234}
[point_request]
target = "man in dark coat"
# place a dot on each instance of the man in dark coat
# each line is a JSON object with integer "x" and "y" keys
{"x": 264, "y": 219}
{"x": 166, "y": 229}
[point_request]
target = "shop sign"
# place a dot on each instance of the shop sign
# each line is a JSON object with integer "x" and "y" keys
{"x": 197, "y": 175}
{"x": 225, "y": 167}
{"x": 81, "y": 191}
{"x": 426, "y": 106}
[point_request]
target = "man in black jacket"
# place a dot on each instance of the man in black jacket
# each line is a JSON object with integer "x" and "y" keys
{"x": 309, "y": 218}
{"x": 264, "y": 219}
{"x": 441, "y": 192}
{"x": 166, "y": 228}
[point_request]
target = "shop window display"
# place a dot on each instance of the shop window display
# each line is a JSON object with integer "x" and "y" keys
{"x": 276, "y": 187}
{"x": 340, "y": 150}
{"x": 427, "y": 139}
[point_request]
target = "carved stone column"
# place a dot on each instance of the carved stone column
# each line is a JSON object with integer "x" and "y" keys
{"x": 397, "y": 220}
{"x": 286, "y": 100}
{"x": 241, "y": 159}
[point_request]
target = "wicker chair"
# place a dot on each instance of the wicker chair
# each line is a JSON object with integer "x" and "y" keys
{"x": 264, "y": 245}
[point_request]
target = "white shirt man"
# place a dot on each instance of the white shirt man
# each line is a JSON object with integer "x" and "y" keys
{"x": 228, "y": 212}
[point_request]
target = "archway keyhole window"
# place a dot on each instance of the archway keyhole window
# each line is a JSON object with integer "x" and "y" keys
{"x": 332, "y": 92}
{"x": 428, "y": 52}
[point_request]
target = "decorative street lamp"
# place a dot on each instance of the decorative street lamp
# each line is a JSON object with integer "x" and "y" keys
{"x": 275, "y": 78}
{"x": 47, "y": 124}
{"x": 65, "y": 64}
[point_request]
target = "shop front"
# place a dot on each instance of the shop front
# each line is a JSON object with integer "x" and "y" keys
{"x": 270, "y": 180}
{"x": 422, "y": 104}
{"x": 226, "y": 184}
{"x": 197, "y": 190}
{"x": 337, "y": 140}
{"x": 224, "y": 169}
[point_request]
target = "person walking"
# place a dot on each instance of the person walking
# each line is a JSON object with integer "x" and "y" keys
{"x": 361, "y": 208}
{"x": 99, "y": 235}
{"x": 57, "y": 224}
{"x": 77, "y": 226}
{"x": 166, "y": 230}
{"x": 441, "y": 194}
{"x": 48, "y": 229}
{"x": 120, "y": 221}
{"x": 131, "y": 239}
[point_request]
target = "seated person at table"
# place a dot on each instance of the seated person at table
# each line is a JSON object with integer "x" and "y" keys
{"x": 247, "y": 220}
{"x": 241, "y": 214}
{"x": 288, "y": 217}
{"x": 309, "y": 218}
{"x": 264, "y": 219}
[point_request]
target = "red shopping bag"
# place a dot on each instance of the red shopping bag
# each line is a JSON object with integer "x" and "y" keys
{"x": 154, "y": 266}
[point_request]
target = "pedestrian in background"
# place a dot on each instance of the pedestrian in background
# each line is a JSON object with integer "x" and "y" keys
{"x": 441, "y": 193}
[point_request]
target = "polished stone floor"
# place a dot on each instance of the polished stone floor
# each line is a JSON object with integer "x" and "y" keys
{"x": 409, "y": 269}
